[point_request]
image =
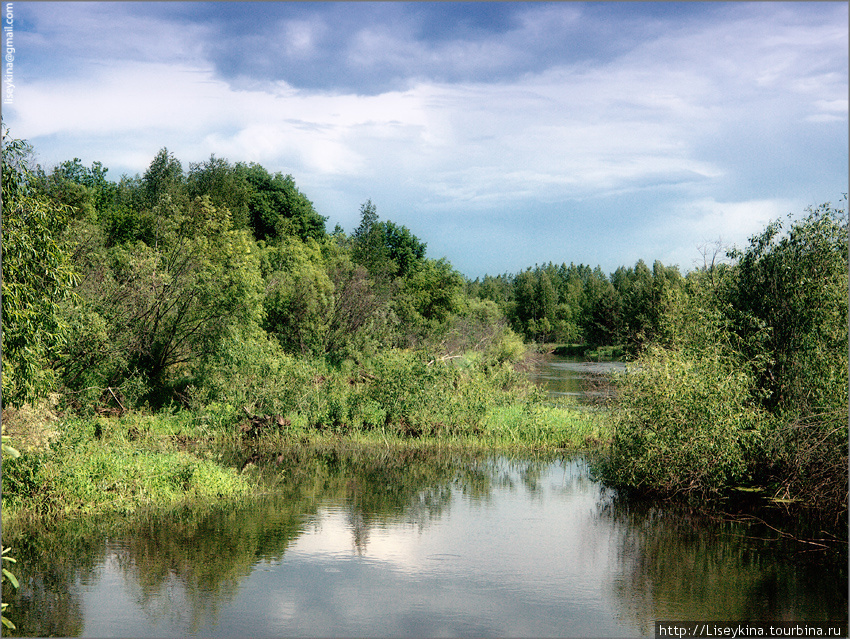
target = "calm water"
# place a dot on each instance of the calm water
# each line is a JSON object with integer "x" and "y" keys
{"x": 357, "y": 543}
{"x": 584, "y": 381}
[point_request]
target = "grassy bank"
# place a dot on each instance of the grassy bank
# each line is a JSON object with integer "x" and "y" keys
{"x": 123, "y": 464}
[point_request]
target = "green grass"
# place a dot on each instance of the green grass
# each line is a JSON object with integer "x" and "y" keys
{"x": 138, "y": 461}
{"x": 114, "y": 466}
{"x": 545, "y": 426}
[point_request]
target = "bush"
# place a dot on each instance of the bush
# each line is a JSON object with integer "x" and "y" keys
{"x": 683, "y": 424}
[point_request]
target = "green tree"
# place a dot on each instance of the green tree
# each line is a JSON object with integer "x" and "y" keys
{"x": 227, "y": 187}
{"x": 299, "y": 296}
{"x": 386, "y": 249}
{"x": 85, "y": 190}
{"x": 601, "y": 310}
{"x": 433, "y": 292}
{"x": 795, "y": 286}
{"x": 37, "y": 276}
{"x": 277, "y": 208}
{"x": 162, "y": 306}
{"x": 163, "y": 176}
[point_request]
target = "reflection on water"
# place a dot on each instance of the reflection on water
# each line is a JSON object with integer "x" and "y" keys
{"x": 587, "y": 382}
{"x": 414, "y": 544}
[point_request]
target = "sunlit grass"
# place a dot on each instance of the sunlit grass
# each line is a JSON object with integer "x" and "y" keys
{"x": 123, "y": 464}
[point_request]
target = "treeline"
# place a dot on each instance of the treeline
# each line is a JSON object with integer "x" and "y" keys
{"x": 579, "y": 305}
{"x": 183, "y": 285}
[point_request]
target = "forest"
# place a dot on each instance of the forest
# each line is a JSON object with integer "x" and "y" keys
{"x": 210, "y": 302}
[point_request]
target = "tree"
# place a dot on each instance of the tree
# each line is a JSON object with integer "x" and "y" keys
{"x": 85, "y": 190}
{"x": 164, "y": 175}
{"x": 299, "y": 296}
{"x": 367, "y": 243}
{"x": 277, "y": 208}
{"x": 169, "y": 303}
{"x": 227, "y": 187}
{"x": 793, "y": 288}
{"x": 37, "y": 276}
{"x": 386, "y": 249}
{"x": 601, "y": 310}
{"x": 434, "y": 290}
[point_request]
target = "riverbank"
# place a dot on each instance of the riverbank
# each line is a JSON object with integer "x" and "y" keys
{"x": 71, "y": 467}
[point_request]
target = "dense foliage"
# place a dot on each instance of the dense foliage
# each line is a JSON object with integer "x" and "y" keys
{"x": 750, "y": 385}
{"x": 37, "y": 275}
{"x": 219, "y": 290}
{"x": 174, "y": 286}
{"x": 579, "y": 305}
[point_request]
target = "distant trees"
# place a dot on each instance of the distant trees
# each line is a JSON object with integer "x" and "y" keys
{"x": 577, "y": 304}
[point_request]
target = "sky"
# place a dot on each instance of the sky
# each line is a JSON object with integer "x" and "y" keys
{"x": 502, "y": 134}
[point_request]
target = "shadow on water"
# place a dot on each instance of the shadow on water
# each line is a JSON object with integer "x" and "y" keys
{"x": 353, "y": 542}
{"x": 680, "y": 563}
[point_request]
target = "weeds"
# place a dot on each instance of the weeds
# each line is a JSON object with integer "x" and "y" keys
{"x": 399, "y": 399}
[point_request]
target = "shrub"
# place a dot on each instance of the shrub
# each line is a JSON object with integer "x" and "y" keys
{"x": 684, "y": 423}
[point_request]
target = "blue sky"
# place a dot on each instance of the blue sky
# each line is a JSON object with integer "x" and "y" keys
{"x": 502, "y": 134}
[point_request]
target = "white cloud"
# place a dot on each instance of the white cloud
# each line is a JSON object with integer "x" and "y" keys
{"x": 704, "y": 221}
{"x": 690, "y": 115}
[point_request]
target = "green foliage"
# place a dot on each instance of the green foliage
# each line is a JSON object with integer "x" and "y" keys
{"x": 85, "y": 191}
{"x": 796, "y": 286}
{"x": 429, "y": 296}
{"x": 745, "y": 379}
{"x": 163, "y": 177}
{"x": 37, "y": 276}
{"x": 153, "y": 307}
{"x": 579, "y": 305}
{"x": 226, "y": 185}
{"x": 276, "y": 207}
{"x": 111, "y": 466}
{"x": 299, "y": 296}
{"x": 10, "y": 453}
{"x": 793, "y": 290}
{"x": 386, "y": 249}
{"x": 247, "y": 369}
{"x": 685, "y": 423}
{"x": 125, "y": 225}
{"x": 646, "y": 298}
{"x": 542, "y": 425}
{"x": 8, "y": 576}
{"x": 359, "y": 322}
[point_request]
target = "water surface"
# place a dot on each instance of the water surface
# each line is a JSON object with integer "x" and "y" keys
{"x": 357, "y": 543}
{"x": 586, "y": 381}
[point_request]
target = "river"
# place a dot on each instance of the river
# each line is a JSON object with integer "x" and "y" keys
{"x": 354, "y": 542}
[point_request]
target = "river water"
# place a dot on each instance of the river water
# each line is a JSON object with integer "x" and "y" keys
{"x": 585, "y": 381}
{"x": 355, "y": 542}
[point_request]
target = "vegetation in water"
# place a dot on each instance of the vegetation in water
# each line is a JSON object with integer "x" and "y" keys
{"x": 749, "y": 384}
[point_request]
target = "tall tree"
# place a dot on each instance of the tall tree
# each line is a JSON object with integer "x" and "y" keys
{"x": 164, "y": 175}
{"x": 37, "y": 276}
{"x": 277, "y": 208}
{"x": 227, "y": 187}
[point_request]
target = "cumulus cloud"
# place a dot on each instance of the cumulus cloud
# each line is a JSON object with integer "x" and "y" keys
{"x": 447, "y": 115}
